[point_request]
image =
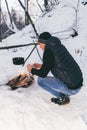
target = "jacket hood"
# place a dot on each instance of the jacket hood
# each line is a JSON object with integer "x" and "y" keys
{"x": 52, "y": 41}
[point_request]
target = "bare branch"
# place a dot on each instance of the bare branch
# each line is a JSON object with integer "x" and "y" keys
{"x": 16, "y": 46}
{"x": 29, "y": 17}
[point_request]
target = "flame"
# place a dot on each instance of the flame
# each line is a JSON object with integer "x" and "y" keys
{"x": 22, "y": 73}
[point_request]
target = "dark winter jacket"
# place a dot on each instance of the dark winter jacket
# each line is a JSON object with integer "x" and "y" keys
{"x": 62, "y": 65}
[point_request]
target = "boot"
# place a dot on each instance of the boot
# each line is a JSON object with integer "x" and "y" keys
{"x": 61, "y": 100}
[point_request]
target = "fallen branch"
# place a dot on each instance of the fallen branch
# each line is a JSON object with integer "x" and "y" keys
{"x": 16, "y": 46}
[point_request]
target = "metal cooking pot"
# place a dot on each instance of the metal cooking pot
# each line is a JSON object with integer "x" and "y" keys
{"x": 18, "y": 60}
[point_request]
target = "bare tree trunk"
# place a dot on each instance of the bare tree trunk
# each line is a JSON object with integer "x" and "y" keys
{"x": 0, "y": 22}
{"x": 28, "y": 17}
{"x": 46, "y": 4}
{"x": 9, "y": 13}
{"x": 39, "y": 6}
{"x": 26, "y": 8}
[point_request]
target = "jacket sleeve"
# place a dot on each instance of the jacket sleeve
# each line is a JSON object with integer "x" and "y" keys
{"x": 48, "y": 60}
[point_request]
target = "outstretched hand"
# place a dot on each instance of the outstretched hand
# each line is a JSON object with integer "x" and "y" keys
{"x": 29, "y": 67}
{"x": 37, "y": 65}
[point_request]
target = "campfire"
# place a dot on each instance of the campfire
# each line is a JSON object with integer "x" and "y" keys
{"x": 22, "y": 80}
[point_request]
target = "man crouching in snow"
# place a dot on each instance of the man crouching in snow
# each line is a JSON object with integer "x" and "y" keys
{"x": 67, "y": 78}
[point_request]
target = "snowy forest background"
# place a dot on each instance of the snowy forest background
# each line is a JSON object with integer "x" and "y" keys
{"x": 14, "y": 13}
{"x": 21, "y": 21}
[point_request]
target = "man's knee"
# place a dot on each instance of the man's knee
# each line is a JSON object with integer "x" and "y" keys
{"x": 39, "y": 80}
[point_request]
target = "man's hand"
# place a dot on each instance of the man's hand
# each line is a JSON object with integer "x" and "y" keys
{"x": 29, "y": 67}
{"x": 36, "y": 65}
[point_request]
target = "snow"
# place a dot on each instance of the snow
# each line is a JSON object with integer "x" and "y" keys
{"x": 30, "y": 108}
{"x": 58, "y": 24}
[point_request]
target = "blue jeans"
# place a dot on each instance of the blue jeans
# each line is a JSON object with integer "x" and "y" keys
{"x": 55, "y": 86}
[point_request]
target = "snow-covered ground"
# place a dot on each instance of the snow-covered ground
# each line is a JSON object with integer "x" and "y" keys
{"x": 30, "y": 108}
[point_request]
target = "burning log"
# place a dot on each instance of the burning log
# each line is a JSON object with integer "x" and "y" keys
{"x": 23, "y": 80}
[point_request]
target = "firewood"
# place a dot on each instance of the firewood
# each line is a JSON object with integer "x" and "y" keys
{"x": 20, "y": 81}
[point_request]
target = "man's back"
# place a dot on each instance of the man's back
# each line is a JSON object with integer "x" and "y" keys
{"x": 65, "y": 67}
